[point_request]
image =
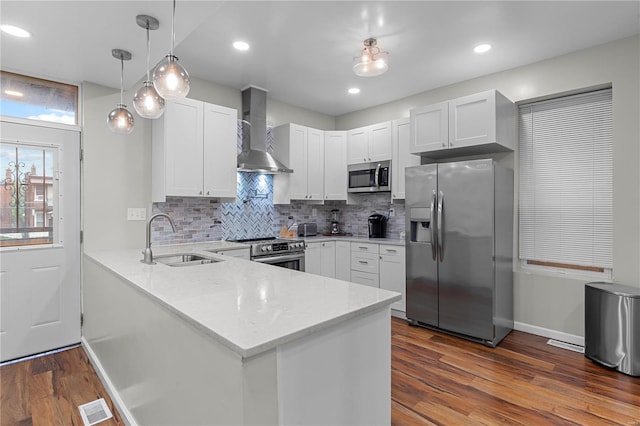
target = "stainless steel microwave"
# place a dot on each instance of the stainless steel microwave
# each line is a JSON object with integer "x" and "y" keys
{"x": 370, "y": 177}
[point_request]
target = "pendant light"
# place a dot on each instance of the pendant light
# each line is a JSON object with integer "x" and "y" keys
{"x": 170, "y": 78}
{"x": 372, "y": 61}
{"x": 146, "y": 101}
{"x": 120, "y": 119}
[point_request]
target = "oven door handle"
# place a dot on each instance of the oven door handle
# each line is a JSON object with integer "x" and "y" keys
{"x": 277, "y": 259}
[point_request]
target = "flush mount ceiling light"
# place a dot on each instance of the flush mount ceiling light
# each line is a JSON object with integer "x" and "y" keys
{"x": 372, "y": 61}
{"x": 353, "y": 91}
{"x": 482, "y": 48}
{"x": 147, "y": 102}
{"x": 120, "y": 119}
{"x": 170, "y": 78}
{"x": 15, "y": 31}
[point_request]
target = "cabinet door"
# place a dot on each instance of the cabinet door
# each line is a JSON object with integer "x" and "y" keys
{"x": 335, "y": 165}
{"x": 219, "y": 151}
{"x": 313, "y": 259}
{"x": 472, "y": 120}
{"x": 298, "y": 162}
{"x": 343, "y": 260}
{"x": 364, "y": 262}
{"x": 429, "y": 128}
{"x": 183, "y": 147}
{"x": 380, "y": 146}
{"x": 401, "y": 156}
{"x": 392, "y": 272}
{"x": 328, "y": 259}
{"x": 358, "y": 146}
{"x": 315, "y": 164}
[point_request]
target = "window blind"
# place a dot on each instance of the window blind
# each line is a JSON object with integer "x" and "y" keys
{"x": 566, "y": 180}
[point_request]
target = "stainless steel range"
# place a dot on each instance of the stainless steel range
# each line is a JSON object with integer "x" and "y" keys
{"x": 287, "y": 253}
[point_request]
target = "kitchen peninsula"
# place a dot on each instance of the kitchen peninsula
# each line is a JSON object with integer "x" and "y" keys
{"x": 235, "y": 342}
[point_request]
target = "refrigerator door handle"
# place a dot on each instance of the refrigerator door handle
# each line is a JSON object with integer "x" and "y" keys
{"x": 440, "y": 223}
{"x": 432, "y": 224}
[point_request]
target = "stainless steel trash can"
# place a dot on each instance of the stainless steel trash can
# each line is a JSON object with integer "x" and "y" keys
{"x": 612, "y": 326}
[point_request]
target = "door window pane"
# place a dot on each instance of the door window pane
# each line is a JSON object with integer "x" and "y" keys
{"x": 27, "y": 194}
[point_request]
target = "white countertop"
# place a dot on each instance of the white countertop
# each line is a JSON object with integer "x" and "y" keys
{"x": 247, "y": 306}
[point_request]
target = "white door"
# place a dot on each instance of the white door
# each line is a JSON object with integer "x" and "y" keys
{"x": 335, "y": 165}
{"x": 40, "y": 239}
{"x": 429, "y": 128}
{"x": 380, "y": 142}
{"x": 315, "y": 164}
{"x": 358, "y": 146}
{"x": 220, "y": 151}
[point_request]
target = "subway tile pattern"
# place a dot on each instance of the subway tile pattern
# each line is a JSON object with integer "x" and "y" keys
{"x": 196, "y": 220}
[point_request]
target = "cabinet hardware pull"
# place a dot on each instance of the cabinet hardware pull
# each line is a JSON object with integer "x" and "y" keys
{"x": 363, "y": 248}
{"x": 391, "y": 250}
{"x": 207, "y": 192}
{"x": 364, "y": 262}
{"x": 200, "y": 193}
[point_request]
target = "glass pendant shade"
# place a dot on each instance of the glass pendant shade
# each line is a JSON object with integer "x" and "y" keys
{"x": 372, "y": 61}
{"x": 147, "y": 102}
{"x": 120, "y": 120}
{"x": 170, "y": 78}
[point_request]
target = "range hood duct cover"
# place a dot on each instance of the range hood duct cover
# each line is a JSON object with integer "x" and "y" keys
{"x": 254, "y": 156}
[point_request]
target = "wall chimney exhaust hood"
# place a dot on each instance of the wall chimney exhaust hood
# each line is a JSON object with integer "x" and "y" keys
{"x": 254, "y": 156}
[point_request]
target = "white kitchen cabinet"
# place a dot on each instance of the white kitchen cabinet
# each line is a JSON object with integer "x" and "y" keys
{"x": 369, "y": 143}
{"x": 335, "y": 165}
{"x": 301, "y": 149}
{"x": 194, "y": 151}
{"x": 365, "y": 264}
{"x": 476, "y": 124}
{"x": 393, "y": 272}
{"x": 343, "y": 260}
{"x": 320, "y": 258}
{"x": 402, "y": 158}
{"x": 366, "y": 278}
{"x": 240, "y": 253}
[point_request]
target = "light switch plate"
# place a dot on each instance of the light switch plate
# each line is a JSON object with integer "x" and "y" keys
{"x": 135, "y": 213}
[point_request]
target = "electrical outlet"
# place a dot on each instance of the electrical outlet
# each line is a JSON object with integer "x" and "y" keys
{"x": 314, "y": 212}
{"x": 392, "y": 212}
{"x": 136, "y": 213}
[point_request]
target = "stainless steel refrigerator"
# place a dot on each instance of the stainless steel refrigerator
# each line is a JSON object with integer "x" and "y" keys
{"x": 459, "y": 231}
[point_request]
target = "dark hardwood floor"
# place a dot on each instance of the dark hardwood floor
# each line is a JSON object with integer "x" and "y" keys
{"x": 48, "y": 390}
{"x": 444, "y": 380}
{"x": 436, "y": 379}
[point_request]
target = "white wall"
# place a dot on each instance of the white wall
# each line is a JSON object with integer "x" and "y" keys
{"x": 552, "y": 301}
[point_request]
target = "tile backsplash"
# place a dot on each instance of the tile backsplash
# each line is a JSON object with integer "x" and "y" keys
{"x": 254, "y": 215}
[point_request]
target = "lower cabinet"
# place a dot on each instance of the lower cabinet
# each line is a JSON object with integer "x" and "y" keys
{"x": 242, "y": 253}
{"x": 364, "y": 264}
{"x": 393, "y": 272}
{"x": 343, "y": 260}
{"x": 320, "y": 258}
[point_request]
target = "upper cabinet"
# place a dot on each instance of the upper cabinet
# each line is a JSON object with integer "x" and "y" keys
{"x": 369, "y": 143}
{"x": 401, "y": 157}
{"x": 194, "y": 151}
{"x": 474, "y": 124}
{"x": 335, "y": 165}
{"x": 301, "y": 149}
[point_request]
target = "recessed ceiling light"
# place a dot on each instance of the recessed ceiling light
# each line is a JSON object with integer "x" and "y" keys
{"x": 482, "y": 48}
{"x": 13, "y": 93}
{"x": 353, "y": 91}
{"x": 15, "y": 31}
{"x": 241, "y": 45}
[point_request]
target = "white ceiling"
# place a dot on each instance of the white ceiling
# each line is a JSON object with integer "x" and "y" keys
{"x": 302, "y": 52}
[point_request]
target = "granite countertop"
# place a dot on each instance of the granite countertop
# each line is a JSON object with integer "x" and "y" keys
{"x": 247, "y": 306}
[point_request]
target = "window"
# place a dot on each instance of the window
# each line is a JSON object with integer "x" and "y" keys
{"x": 36, "y": 99}
{"x": 27, "y": 194}
{"x": 566, "y": 183}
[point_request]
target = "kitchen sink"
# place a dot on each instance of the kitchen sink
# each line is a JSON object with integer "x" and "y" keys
{"x": 183, "y": 259}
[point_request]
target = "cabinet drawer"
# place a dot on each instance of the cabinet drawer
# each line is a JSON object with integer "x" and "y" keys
{"x": 366, "y": 278}
{"x": 365, "y": 262}
{"x": 364, "y": 248}
{"x": 391, "y": 250}
{"x": 240, "y": 253}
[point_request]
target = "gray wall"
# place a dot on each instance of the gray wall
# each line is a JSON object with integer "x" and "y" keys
{"x": 554, "y": 301}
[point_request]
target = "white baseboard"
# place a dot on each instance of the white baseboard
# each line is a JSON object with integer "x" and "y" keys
{"x": 398, "y": 314}
{"x": 110, "y": 388}
{"x": 551, "y": 334}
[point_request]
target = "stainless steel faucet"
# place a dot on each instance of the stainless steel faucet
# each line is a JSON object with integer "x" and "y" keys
{"x": 148, "y": 254}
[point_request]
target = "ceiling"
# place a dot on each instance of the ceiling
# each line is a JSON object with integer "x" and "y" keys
{"x": 302, "y": 52}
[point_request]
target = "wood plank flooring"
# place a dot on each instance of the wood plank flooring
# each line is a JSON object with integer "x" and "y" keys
{"x": 436, "y": 379}
{"x": 444, "y": 380}
{"x": 48, "y": 390}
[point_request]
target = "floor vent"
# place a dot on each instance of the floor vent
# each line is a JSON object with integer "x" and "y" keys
{"x": 94, "y": 412}
{"x": 565, "y": 345}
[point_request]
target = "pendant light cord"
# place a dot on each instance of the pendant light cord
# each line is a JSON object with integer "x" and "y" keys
{"x": 173, "y": 34}
{"x": 121, "y": 76}
{"x": 148, "y": 49}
